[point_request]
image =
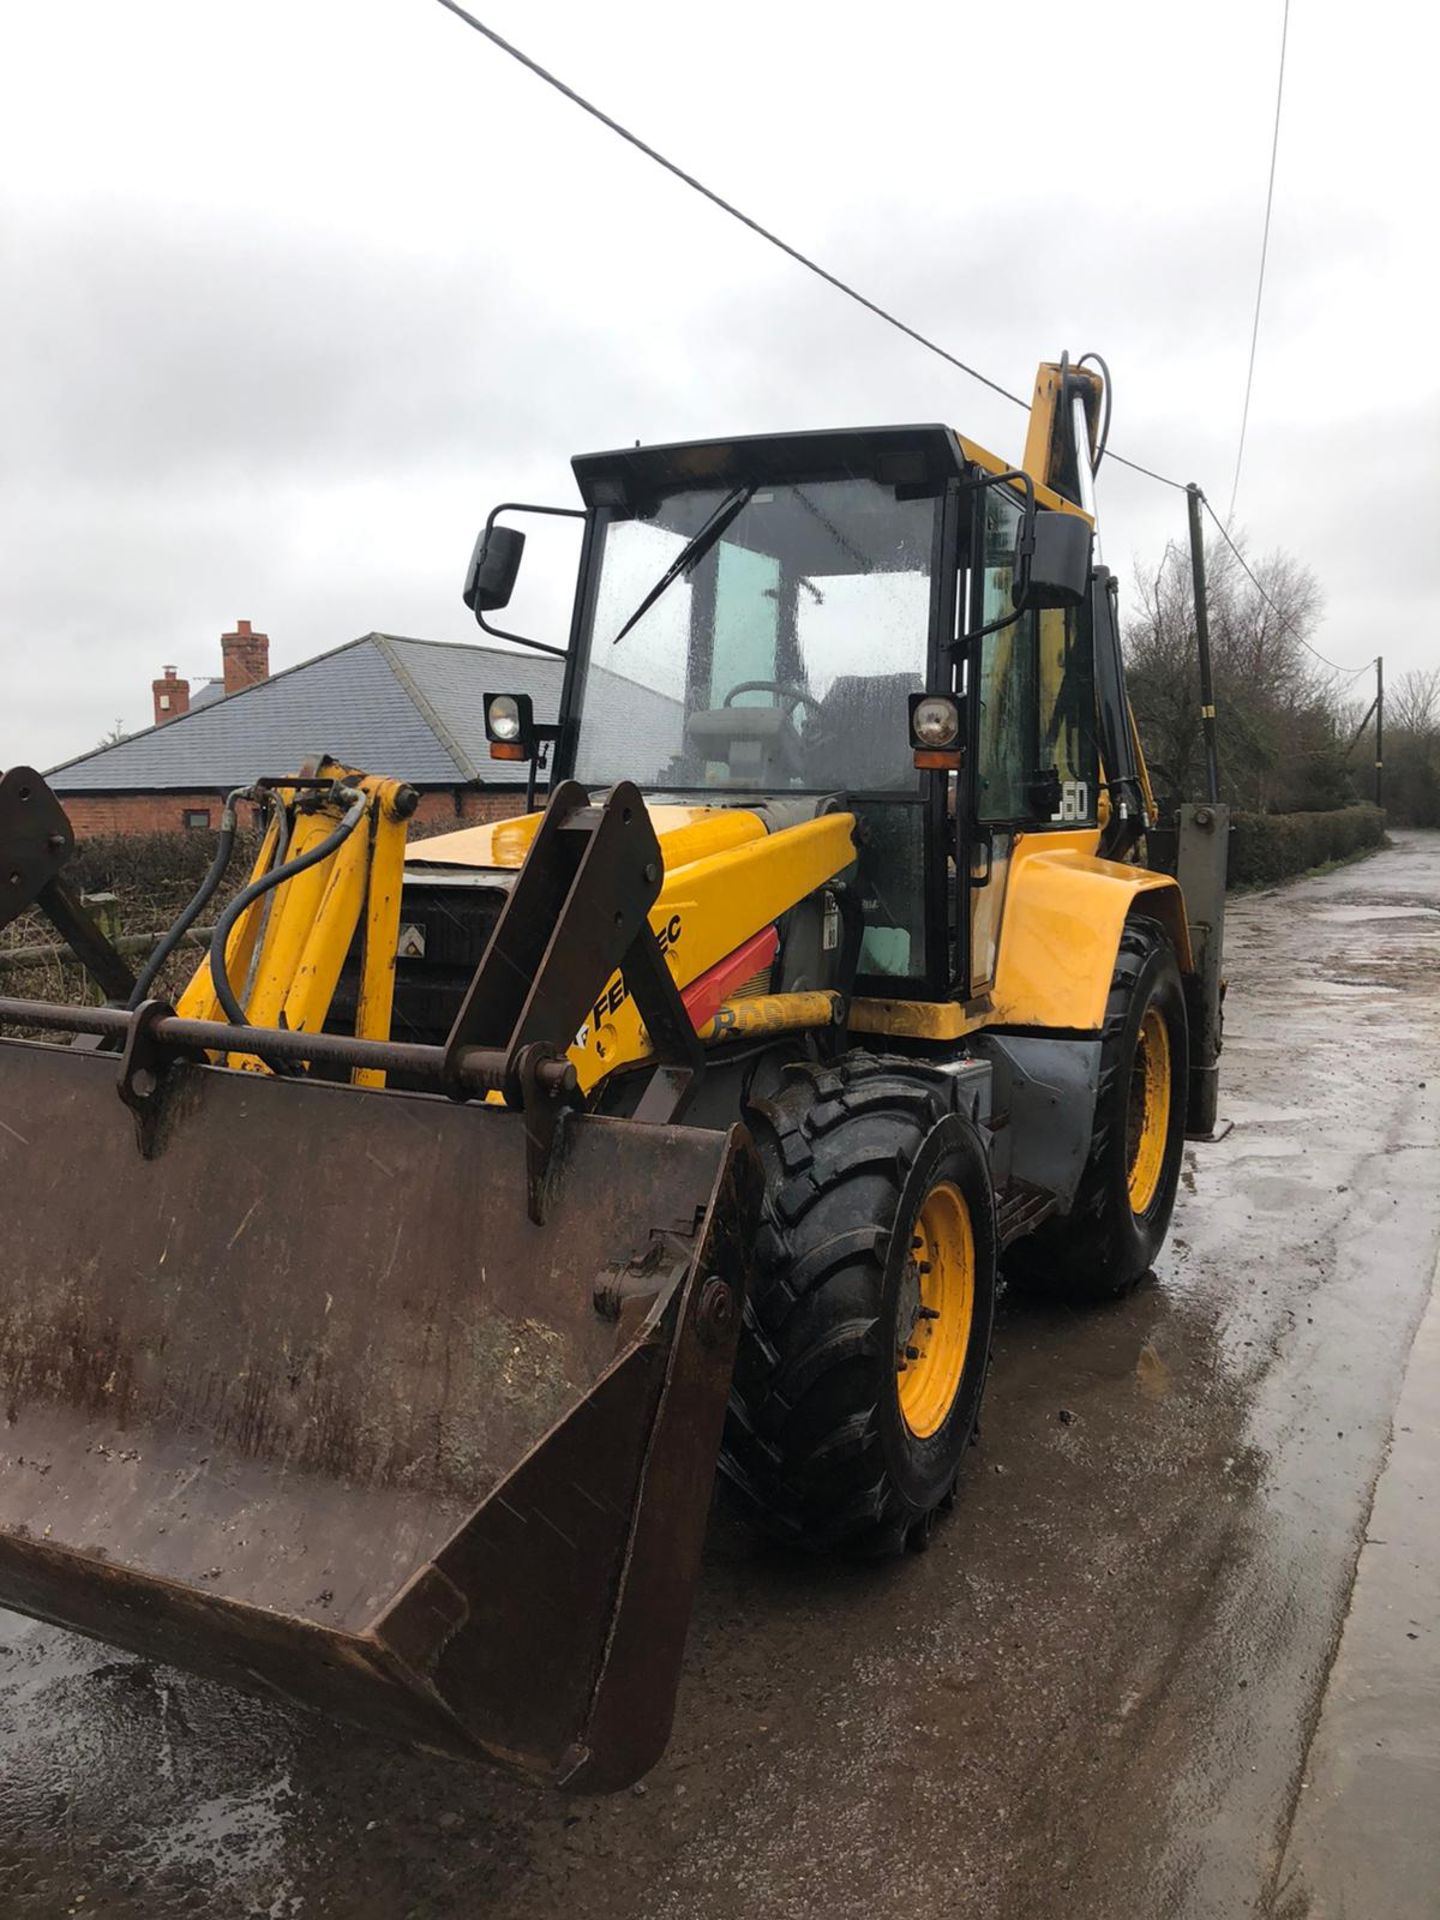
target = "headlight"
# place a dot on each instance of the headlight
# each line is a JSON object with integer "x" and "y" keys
{"x": 503, "y": 717}
{"x": 935, "y": 722}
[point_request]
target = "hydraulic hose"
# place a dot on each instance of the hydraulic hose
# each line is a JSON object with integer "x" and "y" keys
{"x": 1104, "y": 439}
{"x": 219, "y": 977}
{"x": 281, "y": 815}
{"x": 224, "y": 849}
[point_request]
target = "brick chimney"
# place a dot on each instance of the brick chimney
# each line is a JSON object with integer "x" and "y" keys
{"x": 171, "y": 696}
{"x": 246, "y": 656}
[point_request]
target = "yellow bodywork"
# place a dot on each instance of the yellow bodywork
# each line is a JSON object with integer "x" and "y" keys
{"x": 726, "y": 877}
{"x": 286, "y": 952}
{"x": 1045, "y": 495}
{"x": 1048, "y": 432}
{"x": 685, "y": 833}
{"x": 919, "y": 1019}
{"x": 1064, "y": 911}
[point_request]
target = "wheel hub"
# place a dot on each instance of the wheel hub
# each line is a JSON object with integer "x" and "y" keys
{"x": 1148, "y": 1117}
{"x": 936, "y": 1310}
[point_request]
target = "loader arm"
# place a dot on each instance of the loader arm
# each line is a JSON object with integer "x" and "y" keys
{"x": 284, "y": 941}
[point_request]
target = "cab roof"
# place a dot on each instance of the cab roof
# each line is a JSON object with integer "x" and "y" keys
{"x": 906, "y": 456}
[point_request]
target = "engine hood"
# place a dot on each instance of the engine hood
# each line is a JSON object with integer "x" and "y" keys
{"x": 685, "y": 834}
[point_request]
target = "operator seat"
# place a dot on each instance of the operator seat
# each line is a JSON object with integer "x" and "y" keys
{"x": 859, "y": 737}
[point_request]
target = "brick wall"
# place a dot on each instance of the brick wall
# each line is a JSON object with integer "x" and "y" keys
{"x": 465, "y": 808}
{"x": 92, "y": 814}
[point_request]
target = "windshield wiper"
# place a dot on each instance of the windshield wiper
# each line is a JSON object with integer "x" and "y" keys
{"x": 691, "y": 554}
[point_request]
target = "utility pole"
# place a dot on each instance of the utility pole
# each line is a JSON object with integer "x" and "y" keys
{"x": 1380, "y": 730}
{"x": 1202, "y": 644}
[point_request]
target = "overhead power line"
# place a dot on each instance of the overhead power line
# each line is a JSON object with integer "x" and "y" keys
{"x": 1264, "y": 251}
{"x": 913, "y": 333}
{"x": 1284, "y": 618}
{"x": 726, "y": 206}
{"x": 765, "y": 233}
{"x": 1149, "y": 472}
{"x": 813, "y": 266}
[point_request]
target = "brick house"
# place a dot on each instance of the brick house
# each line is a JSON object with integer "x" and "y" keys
{"x": 409, "y": 709}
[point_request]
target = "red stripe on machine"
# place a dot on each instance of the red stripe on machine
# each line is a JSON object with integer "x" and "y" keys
{"x": 705, "y": 994}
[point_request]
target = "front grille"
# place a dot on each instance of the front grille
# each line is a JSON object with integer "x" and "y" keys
{"x": 451, "y": 927}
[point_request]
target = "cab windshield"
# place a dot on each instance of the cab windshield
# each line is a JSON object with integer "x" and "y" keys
{"x": 781, "y": 657}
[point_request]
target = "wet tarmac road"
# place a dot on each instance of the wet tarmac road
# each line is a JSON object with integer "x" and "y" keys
{"x": 1092, "y": 1697}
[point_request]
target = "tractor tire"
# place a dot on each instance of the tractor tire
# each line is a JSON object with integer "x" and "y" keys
{"x": 1126, "y": 1195}
{"x": 866, "y": 1339}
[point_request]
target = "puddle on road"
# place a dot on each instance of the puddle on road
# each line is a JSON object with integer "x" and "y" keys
{"x": 238, "y": 1838}
{"x": 1332, "y": 987}
{"x": 107, "y": 1793}
{"x": 1365, "y": 915}
{"x": 1245, "y": 1145}
{"x": 1151, "y": 1373}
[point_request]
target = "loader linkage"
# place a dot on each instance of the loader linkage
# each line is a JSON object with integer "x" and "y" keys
{"x": 577, "y": 913}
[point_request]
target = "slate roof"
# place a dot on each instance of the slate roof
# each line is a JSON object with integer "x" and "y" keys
{"x": 206, "y": 694}
{"x": 410, "y": 709}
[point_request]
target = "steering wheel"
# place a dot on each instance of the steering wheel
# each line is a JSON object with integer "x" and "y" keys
{"x": 788, "y": 692}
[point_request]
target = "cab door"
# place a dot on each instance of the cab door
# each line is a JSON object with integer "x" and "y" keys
{"x": 1032, "y": 710}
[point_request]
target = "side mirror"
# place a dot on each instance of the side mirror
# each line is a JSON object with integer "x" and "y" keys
{"x": 1053, "y": 566}
{"x": 490, "y": 577}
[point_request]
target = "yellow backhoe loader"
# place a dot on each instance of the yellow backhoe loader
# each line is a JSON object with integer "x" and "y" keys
{"x": 377, "y": 1345}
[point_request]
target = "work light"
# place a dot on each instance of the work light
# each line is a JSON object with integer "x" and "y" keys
{"x": 935, "y": 721}
{"x": 510, "y": 726}
{"x": 502, "y": 720}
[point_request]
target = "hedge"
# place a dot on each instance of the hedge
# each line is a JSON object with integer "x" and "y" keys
{"x": 1269, "y": 846}
{"x": 152, "y": 876}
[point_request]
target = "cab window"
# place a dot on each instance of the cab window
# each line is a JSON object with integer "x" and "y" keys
{"x": 1035, "y": 731}
{"x": 781, "y": 659}
{"x": 1066, "y": 691}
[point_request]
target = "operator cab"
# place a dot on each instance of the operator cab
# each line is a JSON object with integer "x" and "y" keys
{"x": 782, "y": 655}
{"x": 757, "y": 621}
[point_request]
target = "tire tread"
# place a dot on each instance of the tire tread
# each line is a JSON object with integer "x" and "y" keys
{"x": 802, "y": 1441}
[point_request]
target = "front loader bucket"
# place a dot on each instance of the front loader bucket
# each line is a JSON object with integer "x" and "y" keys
{"x": 301, "y": 1398}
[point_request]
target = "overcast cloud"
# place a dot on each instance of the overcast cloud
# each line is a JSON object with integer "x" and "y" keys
{"x": 294, "y": 291}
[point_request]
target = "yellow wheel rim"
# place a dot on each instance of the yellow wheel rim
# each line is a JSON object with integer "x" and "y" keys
{"x": 1148, "y": 1120}
{"x": 940, "y": 1290}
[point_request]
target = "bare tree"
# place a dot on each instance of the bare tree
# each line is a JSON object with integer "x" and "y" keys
{"x": 1412, "y": 747}
{"x": 1412, "y": 705}
{"x": 1279, "y": 720}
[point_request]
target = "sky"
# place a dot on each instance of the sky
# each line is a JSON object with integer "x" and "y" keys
{"x": 291, "y": 293}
